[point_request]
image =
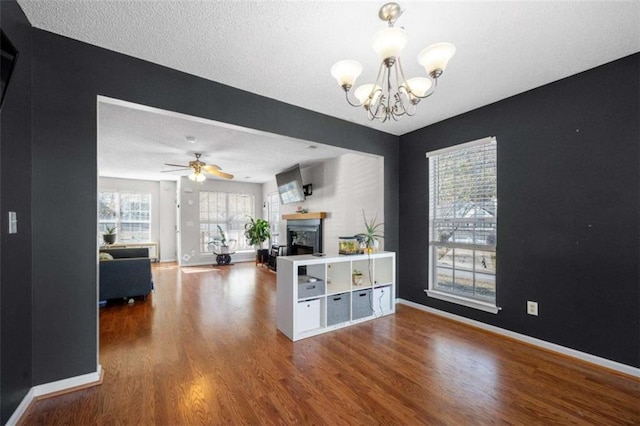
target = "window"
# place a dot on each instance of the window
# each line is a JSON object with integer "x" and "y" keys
{"x": 129, "y": 211}
{"x": 274, "y": 217}
{"x": 227, "y": 210}
{"x": 462, "y": 224}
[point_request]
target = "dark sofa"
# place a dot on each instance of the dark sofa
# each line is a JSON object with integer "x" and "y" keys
{"x": 127, "y": 275}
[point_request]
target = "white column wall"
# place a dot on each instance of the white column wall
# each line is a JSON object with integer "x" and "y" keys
{"x": 343, "y": 187}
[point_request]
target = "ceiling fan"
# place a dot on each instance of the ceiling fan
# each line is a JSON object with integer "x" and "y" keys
{"x": 199, "y": 168}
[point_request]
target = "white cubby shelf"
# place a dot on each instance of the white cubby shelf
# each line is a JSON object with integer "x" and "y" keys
{"x": 316, "y": 294}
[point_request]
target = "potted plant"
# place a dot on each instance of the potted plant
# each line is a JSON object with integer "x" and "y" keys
{"x": 109, "y": 236}
{"x": 221, "y": 244}
{"x": 371, "y": 235}
{"x": 257, "y": 232}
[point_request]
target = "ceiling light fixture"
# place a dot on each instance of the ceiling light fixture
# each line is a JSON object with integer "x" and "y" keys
{"x": 197, "y": 176}
{"x": 392, "y": 95}
{"x": 191, "y": 139}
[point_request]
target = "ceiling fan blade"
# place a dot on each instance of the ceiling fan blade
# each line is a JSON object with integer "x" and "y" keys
{"x": 211, "y": 169}
{"x": 176, "y": 165}
{"x": 176, "y": 170}
{"x": 219, "y": 173}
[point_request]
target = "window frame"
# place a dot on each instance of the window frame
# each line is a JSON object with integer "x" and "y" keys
{"x": 474, "y": 223}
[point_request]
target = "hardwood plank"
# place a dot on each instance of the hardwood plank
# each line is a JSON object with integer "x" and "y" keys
{"x": 204, "y": 349}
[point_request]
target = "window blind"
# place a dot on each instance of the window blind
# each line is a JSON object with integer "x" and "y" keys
{"x": 463, "y": 183}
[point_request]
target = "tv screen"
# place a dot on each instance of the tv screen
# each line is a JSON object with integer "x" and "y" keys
{"x": 9, "y": 57}
{"x": 290, "y": 185}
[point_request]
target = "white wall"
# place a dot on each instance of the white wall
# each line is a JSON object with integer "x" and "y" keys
{"x": 168, "y": 224}
{"x": 189, "y": 217}
{"x": 342, "y": 187}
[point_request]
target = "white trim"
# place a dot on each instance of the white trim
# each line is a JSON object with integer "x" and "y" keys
{"x": 22, "y": 408}
{"x": 583, "y": 356}
{"x": 64, "y": 384}
{"x": 477, "y": 142}
{"x": 52, "y": 387}
{"x": 469, "y": 303}
{"x": 97, "y": 300}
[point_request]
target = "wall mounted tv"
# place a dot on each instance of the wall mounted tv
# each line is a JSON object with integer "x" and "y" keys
{"x": 8, "y": 62}
{"x": 290, "y": 185}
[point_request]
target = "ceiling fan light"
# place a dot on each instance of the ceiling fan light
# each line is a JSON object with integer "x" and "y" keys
{"x": 390, "y": 42}
{"x": 419, "y": 86}
{"x": 363, "y": 92}
{"x": 436, "y": 57}
{"x": 346, "y": 72}
{"x": 197, "y": 177}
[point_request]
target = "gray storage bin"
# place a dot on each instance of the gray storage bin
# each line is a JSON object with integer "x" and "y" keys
{"x": 308, "y": 288}
{"x": 338, "y": 307}
{"x": 362, "y": 303}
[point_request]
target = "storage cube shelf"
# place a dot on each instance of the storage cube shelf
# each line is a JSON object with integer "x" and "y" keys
{"x": 319, "y": 294}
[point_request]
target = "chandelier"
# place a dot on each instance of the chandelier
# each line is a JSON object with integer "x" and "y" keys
{"x": 391, "y": 95}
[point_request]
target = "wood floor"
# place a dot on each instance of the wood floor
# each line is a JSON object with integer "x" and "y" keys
{"x": 204, "y": 349}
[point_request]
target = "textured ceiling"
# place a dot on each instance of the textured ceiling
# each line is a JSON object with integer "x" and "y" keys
{"x": 135, "y": 142}
{"x": 284, "y": 49}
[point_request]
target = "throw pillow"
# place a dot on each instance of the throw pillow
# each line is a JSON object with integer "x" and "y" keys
{"x": 105, "y": 256}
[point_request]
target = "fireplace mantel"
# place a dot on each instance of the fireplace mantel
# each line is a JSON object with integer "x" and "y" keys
{"x": 299, "y": 216}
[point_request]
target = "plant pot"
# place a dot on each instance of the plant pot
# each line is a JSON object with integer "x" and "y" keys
{"x": 109, "y": 238}
{"x": 262, "y": 255}
{"x": 357, "y": 279}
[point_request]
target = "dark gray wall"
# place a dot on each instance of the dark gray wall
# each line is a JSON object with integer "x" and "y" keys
{"x": 15, "y": 190}
{"x": 67, "y": 77}
{"x": 568, "y": 210}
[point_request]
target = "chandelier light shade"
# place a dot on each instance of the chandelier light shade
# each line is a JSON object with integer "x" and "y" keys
{"x": 363, "y": 92}
{"x": 346, "y": 72}
{"x": 389, "y": 43}
{"x": 419, "y": 87}
{"x": 392, "y": 95}
{"x": 435, "y": 58}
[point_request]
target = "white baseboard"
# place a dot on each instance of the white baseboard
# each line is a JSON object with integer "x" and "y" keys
{"x": 583, "y": 356}
{"x": 53, "y": 387}
{"x": 22, "y": 408}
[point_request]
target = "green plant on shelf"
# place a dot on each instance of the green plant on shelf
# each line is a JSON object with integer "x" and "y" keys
{"x": 371, "y": 234}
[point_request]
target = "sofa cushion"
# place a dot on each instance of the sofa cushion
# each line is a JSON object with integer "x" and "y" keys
{"x": 105, "y": 256}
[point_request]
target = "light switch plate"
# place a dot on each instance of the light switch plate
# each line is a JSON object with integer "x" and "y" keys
{"x": 13, "y": 223}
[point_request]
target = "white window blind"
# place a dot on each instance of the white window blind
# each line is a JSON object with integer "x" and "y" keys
{"x": 274, "y": 217}
{"x": 227, "y": 210}
{"x": 129, "y": 211}
{"x": 463, "y": 219}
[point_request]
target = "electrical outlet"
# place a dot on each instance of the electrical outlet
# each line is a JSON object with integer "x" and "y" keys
{"x": 532, "y": 308}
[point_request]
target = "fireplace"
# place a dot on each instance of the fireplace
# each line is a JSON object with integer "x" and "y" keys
{"x": 304, "y": 236}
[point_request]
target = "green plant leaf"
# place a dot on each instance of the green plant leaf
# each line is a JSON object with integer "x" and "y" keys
{"x": 256, "y": 231}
